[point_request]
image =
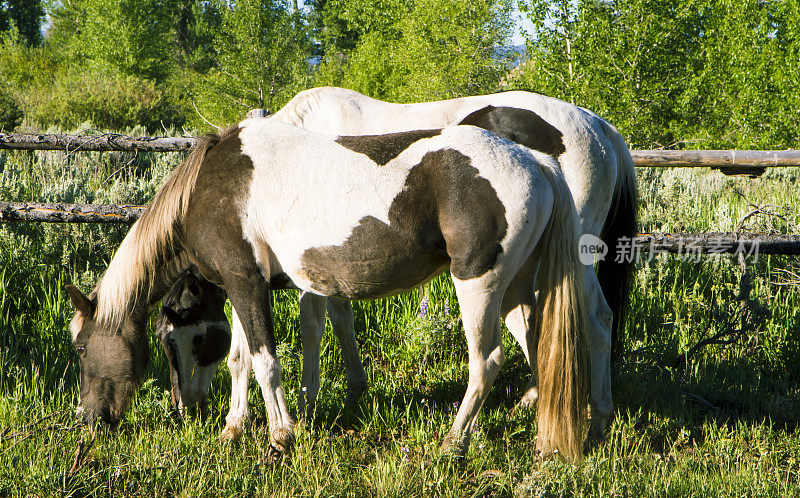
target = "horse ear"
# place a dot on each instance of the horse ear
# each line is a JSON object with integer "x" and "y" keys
{"x": 79, "y": 301}
{"x": 193, "y": 285}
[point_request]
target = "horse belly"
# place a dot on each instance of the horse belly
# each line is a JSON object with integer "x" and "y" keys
{"x": 375, "y": 261}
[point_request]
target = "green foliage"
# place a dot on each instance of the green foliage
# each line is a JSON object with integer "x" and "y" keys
{"x": 23, "y": 66}
{"x": 10, "y": 113}
{"x": 708, "y": 73}
{"x": 131, "y": 37}
{"x": 261, "y": 60}
{"x": 329, "y": 28}
{"x": 25, "y": 16}
{"x": 422, "y": 50}
{"x": 195, "y": 24}
{"x": 106, "y": 100}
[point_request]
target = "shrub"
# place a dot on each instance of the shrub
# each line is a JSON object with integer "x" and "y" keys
{"x": 108, "y": 101}
{"x": 10, "y": 113}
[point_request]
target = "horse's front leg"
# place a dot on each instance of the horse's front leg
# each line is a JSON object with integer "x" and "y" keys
{"x": 250, "y": 297}
{"x": 239, "y": 364}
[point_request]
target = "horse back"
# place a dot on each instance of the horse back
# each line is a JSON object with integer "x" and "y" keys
{"x": 339, "y": 218}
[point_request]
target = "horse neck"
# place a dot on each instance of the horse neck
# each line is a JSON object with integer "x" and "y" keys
{"x": 167, "y": 275}
{"x": 137, "y": 318}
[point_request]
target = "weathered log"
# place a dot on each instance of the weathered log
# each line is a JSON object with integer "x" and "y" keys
{"x": 711, "y": 243}
{"x": 106, "y": 142}
{"x": 69, "y": 213}
{"x": 749, "y": 162}
{"x": 675, "y": 243}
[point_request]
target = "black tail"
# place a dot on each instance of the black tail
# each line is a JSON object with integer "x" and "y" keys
{"x": 614, "y": 276}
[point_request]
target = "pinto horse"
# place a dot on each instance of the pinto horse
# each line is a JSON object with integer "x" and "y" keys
{"x": 598, "y": 170}
{"x": 267, "y": 205}
{"x": 196, "y": 336}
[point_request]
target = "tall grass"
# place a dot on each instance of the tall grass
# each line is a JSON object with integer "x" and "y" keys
{"x": 720, "y": 421}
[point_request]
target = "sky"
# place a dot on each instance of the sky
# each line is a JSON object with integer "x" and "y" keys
{"x": 521, "y": 25}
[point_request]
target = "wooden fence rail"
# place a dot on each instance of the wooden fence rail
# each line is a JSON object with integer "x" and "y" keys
{"x": 97, "y": 143}
{"x": 69, "y": 213}
{"x": 731, "y": 161}
{"x": 715, "y": 158}
{"x": 688, "y": 244}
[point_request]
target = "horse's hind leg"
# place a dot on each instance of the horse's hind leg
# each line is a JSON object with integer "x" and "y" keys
{"x": 519, "y": 313}
{"x": 480, "y": 309}
{"x": 239, "y": 364}
{"x": 342, "y": 319}
{"x": 312, "y": 326}
{"x": 598, "y": 336}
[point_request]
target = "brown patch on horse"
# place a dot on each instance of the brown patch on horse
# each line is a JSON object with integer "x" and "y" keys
{"x": 211, "y": 347}
{"x": 152, "y": 240}
{"x": 384, "y": 148}
{"x": 213, "y": 230}
{"x": 519, "y": 125}
{"x": 446, "y": 213}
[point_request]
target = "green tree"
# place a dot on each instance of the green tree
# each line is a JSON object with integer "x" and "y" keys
{"x": 329, "y": 28}
{"x": 132, "y": 37}
{"x": 195, "y": 23}
{"x": 26, "y": 15}
{"x": 685, "y": 73}
{"x": 262, "y": 59}
{"x": 627, "y": 60}
{"x": 420, "y": 50}
{"x": 745, "y": 94}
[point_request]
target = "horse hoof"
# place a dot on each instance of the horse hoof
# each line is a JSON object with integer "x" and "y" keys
{"x": 274, "y": 455}
{"x": 598, "y": 429}
{"x": 455, "y": 447}
{"x": 280, "y": 443}
{"x": 529, "y": 399}
{"x": 353, "y": 395}
{"x": 231, "y": 433}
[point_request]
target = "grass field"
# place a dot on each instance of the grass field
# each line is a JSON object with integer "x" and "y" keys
{"x": 716, "y": 420}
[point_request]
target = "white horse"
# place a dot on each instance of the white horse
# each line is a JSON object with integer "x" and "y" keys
{"x": 353, "y": 217}
{"x": 598, "y": 170}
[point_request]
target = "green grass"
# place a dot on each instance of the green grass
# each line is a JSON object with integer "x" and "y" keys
{"x": 721, "y": 422}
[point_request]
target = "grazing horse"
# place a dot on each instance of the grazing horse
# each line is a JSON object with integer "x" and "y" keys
{"x": 196, "y": 336}
{"x": 598, "y": 170}
{"x": 268, "y": 205}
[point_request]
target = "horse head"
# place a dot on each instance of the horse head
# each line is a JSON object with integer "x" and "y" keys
{"x": 196, "y": 336}
{"x": 112, "y": 361}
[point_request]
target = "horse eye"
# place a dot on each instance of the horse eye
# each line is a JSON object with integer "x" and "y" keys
{"x": 80, "y": 350}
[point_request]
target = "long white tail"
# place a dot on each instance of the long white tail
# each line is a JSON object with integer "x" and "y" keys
{"x": 562, "y": 354}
